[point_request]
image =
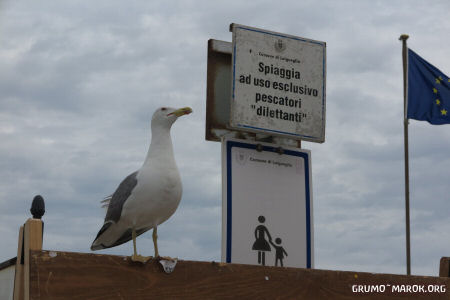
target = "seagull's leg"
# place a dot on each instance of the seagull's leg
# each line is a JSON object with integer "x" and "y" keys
{"x": 133, "y": 235}
{"x": 155, "y": 240}
{"x": 155, "y": 244}
{"x": 135, "y": 256}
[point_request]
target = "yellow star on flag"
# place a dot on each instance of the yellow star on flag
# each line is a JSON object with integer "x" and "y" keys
{"x": 438, "y": 101}
{"x": 435, "y": 90}
{"x": 443, "y": 112}
{"x": 438, "y": 81}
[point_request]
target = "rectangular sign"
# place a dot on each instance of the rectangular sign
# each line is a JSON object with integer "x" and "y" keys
{"x": 278, "y": 84}
{"x": 266, "y": 205}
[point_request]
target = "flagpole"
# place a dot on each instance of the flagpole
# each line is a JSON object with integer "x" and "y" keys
{"x": 403, "y": 38}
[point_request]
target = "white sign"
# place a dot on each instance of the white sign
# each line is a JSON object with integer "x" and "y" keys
{"x": 267, "y": 205}
{"x": 278, "y": 84}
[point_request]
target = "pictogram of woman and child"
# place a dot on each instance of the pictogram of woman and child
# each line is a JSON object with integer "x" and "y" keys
{"x": 262, "y": 245}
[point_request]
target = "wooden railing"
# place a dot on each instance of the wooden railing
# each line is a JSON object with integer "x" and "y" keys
{"x": 69, "y": 275}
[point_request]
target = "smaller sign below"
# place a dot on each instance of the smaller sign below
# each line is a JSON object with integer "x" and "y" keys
{"x": 266, "y": 205}
{"x": 278, "y": 84}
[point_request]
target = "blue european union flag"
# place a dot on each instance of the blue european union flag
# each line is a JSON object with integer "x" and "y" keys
{"x": 428, "y": 92}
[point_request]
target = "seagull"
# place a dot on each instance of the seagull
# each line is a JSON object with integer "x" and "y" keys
{"x": 147, "y": 197}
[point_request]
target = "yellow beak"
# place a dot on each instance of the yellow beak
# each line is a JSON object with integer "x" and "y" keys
{"x": 182, "y": 111}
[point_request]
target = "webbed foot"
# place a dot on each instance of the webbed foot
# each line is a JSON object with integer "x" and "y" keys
{"x": 140, "y": 258}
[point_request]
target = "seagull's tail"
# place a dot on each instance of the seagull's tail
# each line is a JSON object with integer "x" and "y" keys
{"x": 111, "y": 235}
{"x": 105, "y": 202}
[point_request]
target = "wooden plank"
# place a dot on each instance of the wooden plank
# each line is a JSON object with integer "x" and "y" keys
{"x": 32, "y": 241}
{"x": 33, "y": 234}
{"x": 18, "y": 277}
{"x": 444, "y": 267}
{"x": 65, "y": 275}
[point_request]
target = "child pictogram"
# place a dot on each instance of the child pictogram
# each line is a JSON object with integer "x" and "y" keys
{"x": 279, "y": 252}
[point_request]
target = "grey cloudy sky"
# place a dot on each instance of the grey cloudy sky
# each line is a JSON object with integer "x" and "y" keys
{"x": 79, "y": 81}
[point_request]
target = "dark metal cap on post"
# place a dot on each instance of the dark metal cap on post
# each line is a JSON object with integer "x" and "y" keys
{"x": 403, "y": 37}
{"x": 37, "y": 207}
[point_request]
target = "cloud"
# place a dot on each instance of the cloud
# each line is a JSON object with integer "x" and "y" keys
{"x": 80, "y": 81}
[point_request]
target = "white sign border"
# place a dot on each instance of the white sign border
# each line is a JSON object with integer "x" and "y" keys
{"x": 317, "y": 139}
{"x": 227, "y": 145}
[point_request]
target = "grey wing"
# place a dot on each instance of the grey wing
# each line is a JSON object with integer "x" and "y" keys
{"x": 120, "y": 196}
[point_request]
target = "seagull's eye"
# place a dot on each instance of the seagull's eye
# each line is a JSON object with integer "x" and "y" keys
{"x": 164, "y": 108}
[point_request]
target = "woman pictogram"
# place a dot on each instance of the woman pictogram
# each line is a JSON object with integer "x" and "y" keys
{"x": 261, "y": 244}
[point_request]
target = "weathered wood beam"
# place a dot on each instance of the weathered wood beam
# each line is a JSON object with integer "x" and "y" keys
{"x": 65, "y": 275}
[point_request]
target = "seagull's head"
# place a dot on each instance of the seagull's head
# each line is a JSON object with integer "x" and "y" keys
{"x": 166, "y": 116}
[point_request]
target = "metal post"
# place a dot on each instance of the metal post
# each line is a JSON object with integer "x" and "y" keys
{"x": 403, "y": 38}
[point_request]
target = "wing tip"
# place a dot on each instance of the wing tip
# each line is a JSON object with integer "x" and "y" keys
{"x": 96, "y": 247}
{"x": 95, "y": 244}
